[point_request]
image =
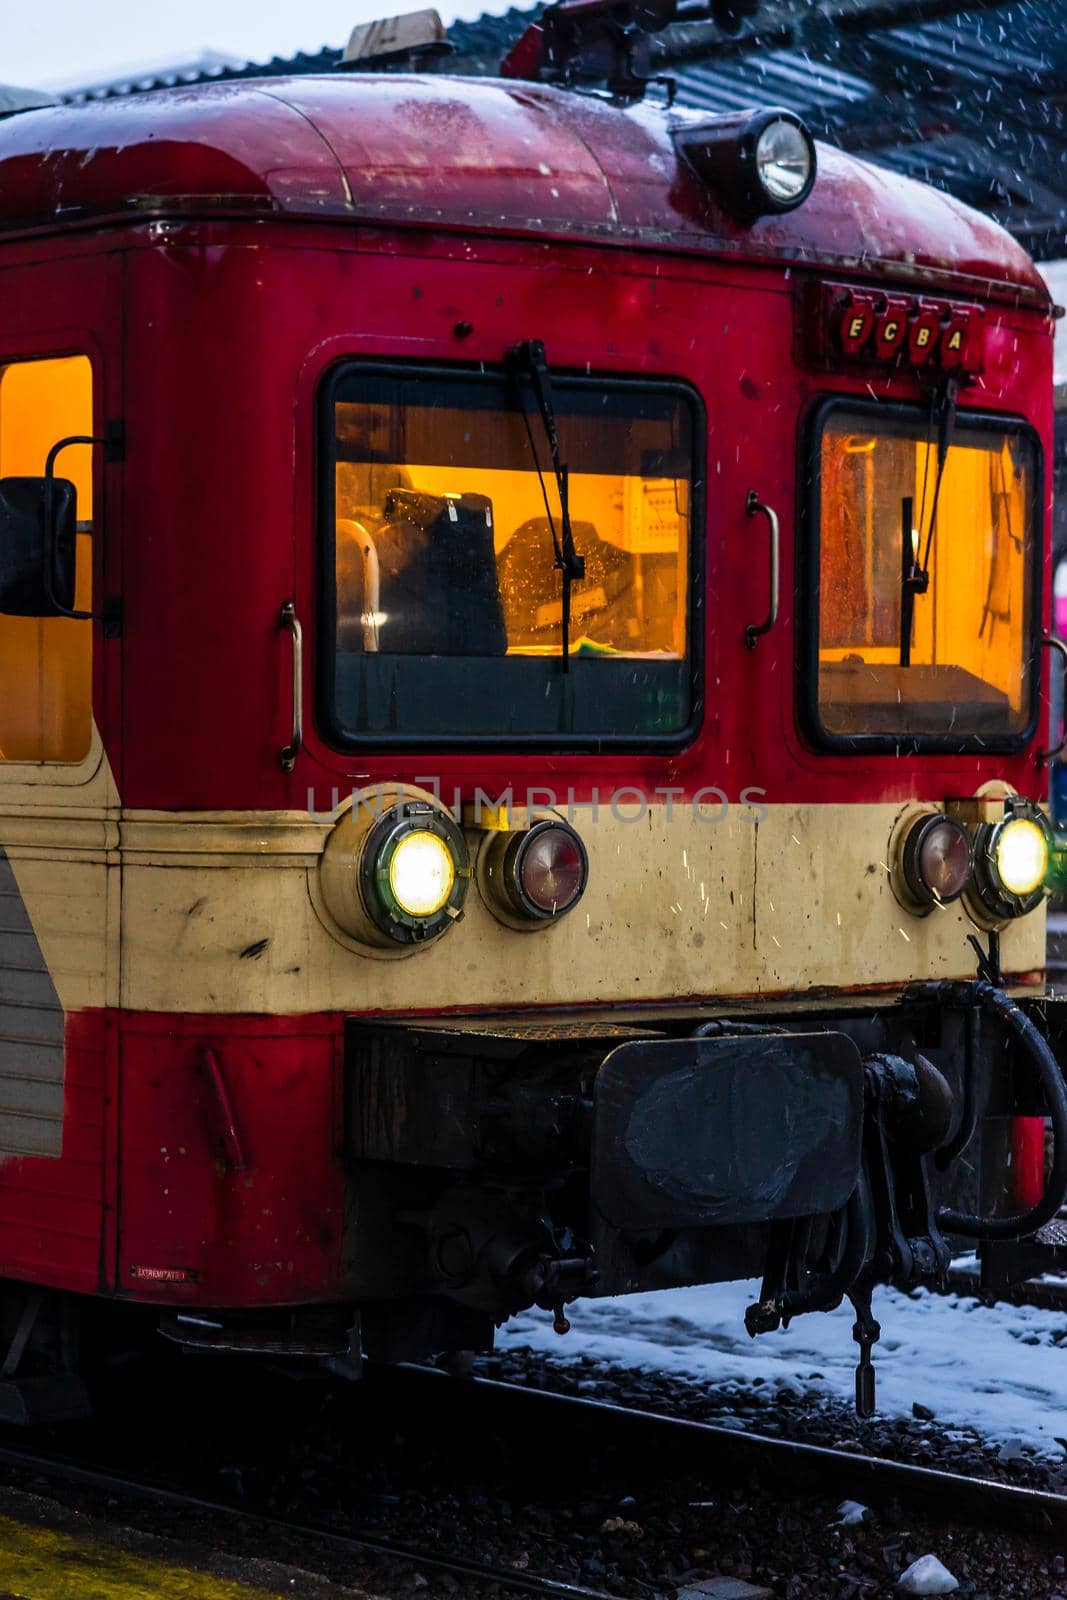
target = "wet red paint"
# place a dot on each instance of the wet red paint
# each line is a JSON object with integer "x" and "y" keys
{"x": 146, "y": 1199}
{"x": 469, "y": 154}
{"x": 212, "y": 339}
{"x": 265, "y": 1229}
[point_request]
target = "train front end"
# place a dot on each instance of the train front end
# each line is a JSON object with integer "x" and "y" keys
{"x": 567, "y": 750}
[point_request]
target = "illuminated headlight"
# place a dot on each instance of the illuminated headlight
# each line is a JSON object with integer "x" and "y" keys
{"x": 753, "y": 162}
{"x": 1012, "y": 860}
{"x": 538, "y": 874}
{"x": 936, "y": 859}
{"x": 413, "y": 872}
{"x": 1022, "y": 856}
{"x": 421, "y": 874}
{"x": 395, "y": 875}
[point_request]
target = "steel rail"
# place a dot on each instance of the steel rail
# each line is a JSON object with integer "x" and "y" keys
{"x": 63, "y": 1470}
{"x": 682, "y": 1445}
{"x": 808, "y": 1466}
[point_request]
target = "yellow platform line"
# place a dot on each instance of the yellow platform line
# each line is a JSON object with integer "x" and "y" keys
{"x": 40, "y": 1564}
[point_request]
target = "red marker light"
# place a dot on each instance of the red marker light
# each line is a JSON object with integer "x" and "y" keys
{"x": 937, "y": 859}
{"x": 536, "y": 874}
{"x": 955, "y": 339}
{"x": 891, "y": 331}
{"x": 900, "y": 330}
{"x": 551, "y": 869}
{"x": 923, "y": 336}
{"x": 857, "y": 320}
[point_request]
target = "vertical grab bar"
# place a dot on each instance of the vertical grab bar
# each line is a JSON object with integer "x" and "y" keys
{"x": 754, "y": 507}
{"x": 290, "y": 621}
{"x": 1049, "y": 643}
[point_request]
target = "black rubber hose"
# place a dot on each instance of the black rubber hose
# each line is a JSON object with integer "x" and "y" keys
{"x": 969, "y": 1120}
{"x": 723, "y": 1028}
{"x": 827, "y": 1292}
{"x": 997, "y": 1003}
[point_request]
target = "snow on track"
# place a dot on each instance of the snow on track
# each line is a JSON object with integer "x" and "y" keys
{"x": 995, "y": 1369}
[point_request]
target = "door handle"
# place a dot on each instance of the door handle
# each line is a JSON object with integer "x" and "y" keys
{"x": 754, "y": 507}
{"x": 289, "y": 620}
{"x": 1061, "y": 649}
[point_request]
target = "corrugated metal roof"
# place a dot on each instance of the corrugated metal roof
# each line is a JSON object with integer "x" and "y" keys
{"x": 198, "y": 67}
{"x": 1022, "y": 42}
{"x": 781, "y": 77}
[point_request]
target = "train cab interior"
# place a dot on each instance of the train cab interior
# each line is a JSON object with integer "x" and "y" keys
{"x": 450, "y": 541}
{"x": 926, "y": 573}
{"x": 50, "y": 658}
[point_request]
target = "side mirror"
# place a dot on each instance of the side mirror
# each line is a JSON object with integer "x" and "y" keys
{"x": 38, "y": 546}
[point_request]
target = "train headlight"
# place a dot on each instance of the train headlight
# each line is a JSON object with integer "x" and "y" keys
{"x": 1011, "y": 860}
{"x": 754, "y": 162}
{"x": 395, "y": 874}
{"x": 936, "y": 859}
{"x": 421, "y": 874}
{"x": 536, "y": 875}
{"x": 785, "y": 162}
{"x": 1021, "y": 856}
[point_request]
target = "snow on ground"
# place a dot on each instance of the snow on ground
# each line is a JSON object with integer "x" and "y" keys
{"x": 995, "y": 1369}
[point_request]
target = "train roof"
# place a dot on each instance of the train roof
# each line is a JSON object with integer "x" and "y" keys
{"x": 474, "y": 154}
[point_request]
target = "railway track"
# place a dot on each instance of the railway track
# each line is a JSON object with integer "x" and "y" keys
{"x": 1047, "y": 1294}
{"x": 548, "y": 1423}
{"x": 63, "y": 1470}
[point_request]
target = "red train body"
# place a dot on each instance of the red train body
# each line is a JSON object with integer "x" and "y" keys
{"x": 278, "y": 1123}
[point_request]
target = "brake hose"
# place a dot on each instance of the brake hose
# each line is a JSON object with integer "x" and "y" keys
{"x": 823, "y": 1293}
{"x": 996, "y": 1003}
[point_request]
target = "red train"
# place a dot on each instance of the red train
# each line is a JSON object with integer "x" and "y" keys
{"x": 521, "y": 622}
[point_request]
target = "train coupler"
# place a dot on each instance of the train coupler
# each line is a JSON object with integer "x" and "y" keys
{"x": 909, "y": 1110}
{"x": 886, "y": 1234}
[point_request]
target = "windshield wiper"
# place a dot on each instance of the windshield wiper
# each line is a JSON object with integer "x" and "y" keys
{"x": 945, "y": 424}
{"x": 913, "y": 578}
{"x": 915, "y": 574}
{"x": 529, "y": 360}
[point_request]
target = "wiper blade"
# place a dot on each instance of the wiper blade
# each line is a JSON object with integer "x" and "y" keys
{"x": 946, "y": 424}
{"x": 529, "y": 360}
{"x": 915, "y": 574}
{"x": 913, "y": 578}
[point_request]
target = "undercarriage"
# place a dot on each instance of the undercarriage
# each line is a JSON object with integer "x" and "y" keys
{"x": 498, "y": 1165}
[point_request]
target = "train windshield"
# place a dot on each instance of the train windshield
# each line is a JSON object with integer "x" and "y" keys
{"x": 445, "y": 596}
{"x": 925, "y": 580}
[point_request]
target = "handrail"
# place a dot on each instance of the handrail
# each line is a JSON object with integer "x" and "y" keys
{"x": 754, "y": 506}
{"x": 1058, "y": 645}
{"x": 288, "y": 619}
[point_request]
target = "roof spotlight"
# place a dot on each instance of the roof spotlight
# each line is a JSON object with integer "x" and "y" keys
{"x": 1011, "y": 860}
{"x": 756, "y": 162}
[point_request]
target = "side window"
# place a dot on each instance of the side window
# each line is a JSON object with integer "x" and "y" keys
{"x": 46, "y": 663}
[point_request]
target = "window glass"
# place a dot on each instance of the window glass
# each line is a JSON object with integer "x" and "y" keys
{"x": 924, "y": 585}
{"x": 46, "y": 663}
{"x": 447, "y": 596}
